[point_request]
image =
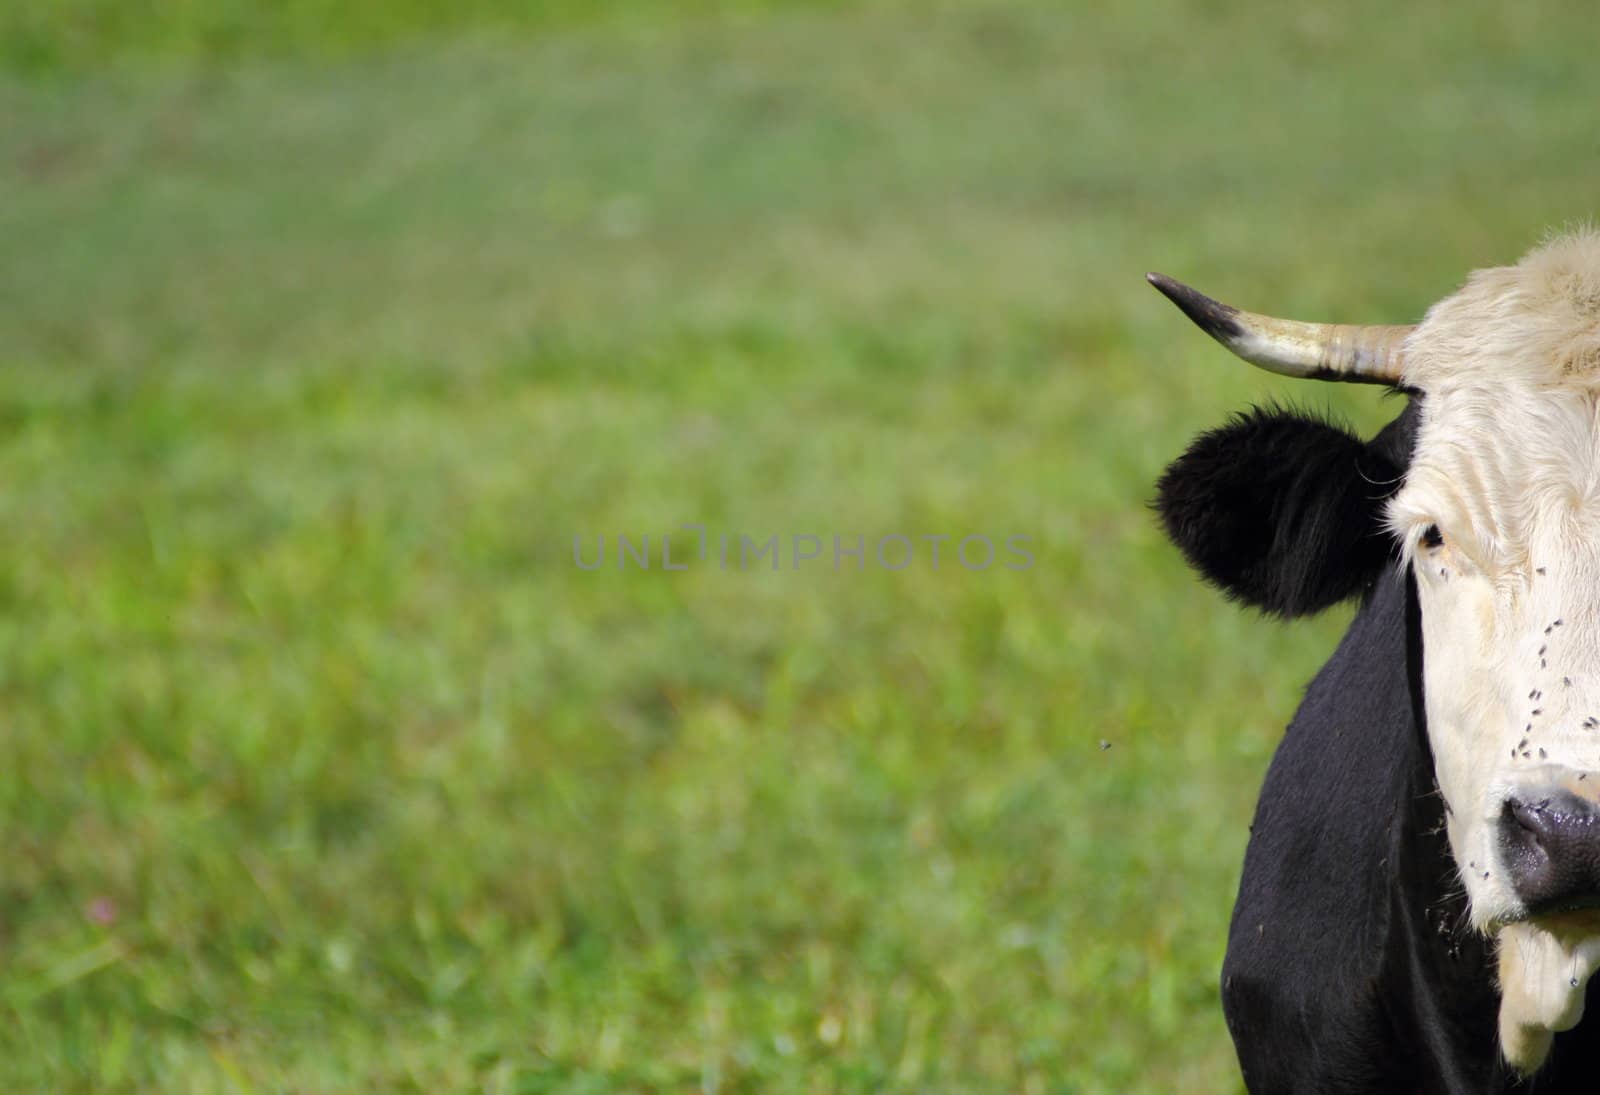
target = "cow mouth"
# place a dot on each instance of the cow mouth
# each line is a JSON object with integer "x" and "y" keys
{"x": 1569, "y": 912}
{"x": 1577, "y": 917}
{"x": 1572, "y": 920}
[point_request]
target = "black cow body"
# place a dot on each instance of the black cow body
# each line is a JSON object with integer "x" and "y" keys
{"x": 1350, "y": 965}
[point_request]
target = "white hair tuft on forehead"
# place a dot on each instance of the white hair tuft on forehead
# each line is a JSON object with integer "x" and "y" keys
{"x": 1537, "y": 321}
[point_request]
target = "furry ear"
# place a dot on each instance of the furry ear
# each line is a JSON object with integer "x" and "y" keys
{"x": 1281, "y": 510}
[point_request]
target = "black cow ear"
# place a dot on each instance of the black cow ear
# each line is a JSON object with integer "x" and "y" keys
{"x": 1281, "y": 510}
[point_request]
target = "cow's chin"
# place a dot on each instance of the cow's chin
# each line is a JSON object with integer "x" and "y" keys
{"x": 1545, "y": 966}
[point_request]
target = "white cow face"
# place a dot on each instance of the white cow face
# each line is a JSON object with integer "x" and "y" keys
{"x": 1497, "y": 511}
{"x": 1500, "y": 517}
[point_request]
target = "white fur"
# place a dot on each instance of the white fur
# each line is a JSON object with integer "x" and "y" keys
{"x": 1507, "y": 465}
{"x": 1543, "y": 974}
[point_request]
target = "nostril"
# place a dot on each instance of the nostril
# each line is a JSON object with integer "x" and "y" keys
{"x": 1528, "y": 833}
{"x": 1533, "y": 817}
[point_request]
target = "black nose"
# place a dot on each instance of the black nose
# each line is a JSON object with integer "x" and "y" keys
{"x": 1551, "y": 844}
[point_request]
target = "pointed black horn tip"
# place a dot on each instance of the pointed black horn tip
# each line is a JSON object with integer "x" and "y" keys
{"x": 1211, "y": 316}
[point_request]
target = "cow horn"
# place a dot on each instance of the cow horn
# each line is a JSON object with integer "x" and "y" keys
{"x": 1321, "y": 351}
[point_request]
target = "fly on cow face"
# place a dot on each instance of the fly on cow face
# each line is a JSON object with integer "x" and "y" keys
{"x": 1494, "y": 515}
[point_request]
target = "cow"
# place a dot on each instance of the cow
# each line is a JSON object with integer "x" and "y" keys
{"x": 1419, "y": 908}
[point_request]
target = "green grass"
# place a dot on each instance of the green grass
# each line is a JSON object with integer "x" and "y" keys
{"x": 324, "y": 768}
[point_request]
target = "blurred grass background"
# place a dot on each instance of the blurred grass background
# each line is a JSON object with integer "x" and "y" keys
{"x": 324, "y": 328}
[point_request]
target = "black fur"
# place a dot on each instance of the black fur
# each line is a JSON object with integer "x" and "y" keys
{"x": 1350, "y": 967}
{"x": 1281, "y": 510}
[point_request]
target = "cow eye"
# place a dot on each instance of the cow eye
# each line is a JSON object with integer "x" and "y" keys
{"x": 1432, "y": 537}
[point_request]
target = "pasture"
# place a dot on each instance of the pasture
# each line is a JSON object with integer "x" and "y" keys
{"x": 324, "y": 330}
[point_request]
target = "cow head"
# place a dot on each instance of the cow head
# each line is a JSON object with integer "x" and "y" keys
{"x": 1496, "y": 510}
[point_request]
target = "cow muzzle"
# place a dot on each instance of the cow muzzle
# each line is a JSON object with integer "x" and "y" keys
{"x": 1549, "y": 833}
